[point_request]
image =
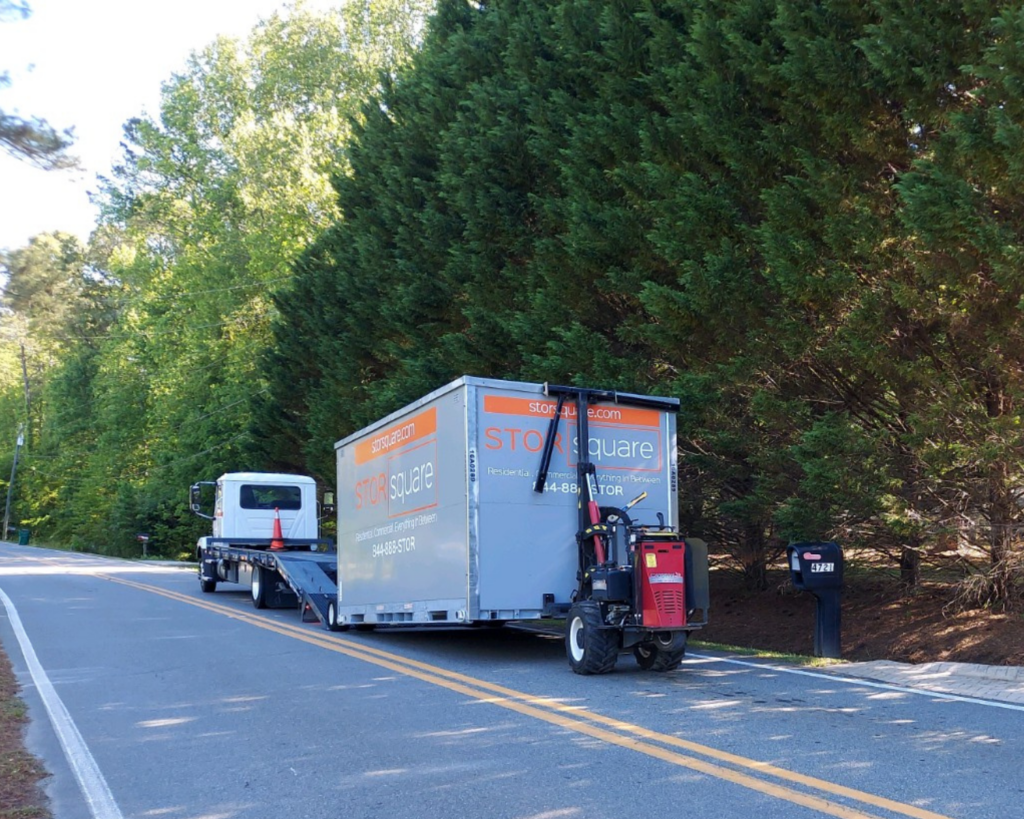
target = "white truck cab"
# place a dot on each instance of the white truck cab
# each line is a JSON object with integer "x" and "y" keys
{"x": 246, "y": 504}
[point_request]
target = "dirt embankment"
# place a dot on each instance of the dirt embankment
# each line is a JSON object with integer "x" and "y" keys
{"x": 879, "y": 622}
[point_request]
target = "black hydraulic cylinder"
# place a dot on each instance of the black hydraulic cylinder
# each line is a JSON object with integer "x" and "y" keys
{"x": 549, "y": 446}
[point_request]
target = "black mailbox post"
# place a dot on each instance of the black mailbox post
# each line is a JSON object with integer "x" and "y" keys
{"x": 818, "y": 568}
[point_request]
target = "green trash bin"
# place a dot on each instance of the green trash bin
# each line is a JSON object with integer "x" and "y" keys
{"x": 23, "y": 536}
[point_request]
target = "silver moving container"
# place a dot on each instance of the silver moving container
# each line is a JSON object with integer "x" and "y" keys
{"x": 438, "y": 520}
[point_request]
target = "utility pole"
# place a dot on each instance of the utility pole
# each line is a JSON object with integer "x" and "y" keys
{"x": 10, "y": 486}
{"x": 24, "y": 376}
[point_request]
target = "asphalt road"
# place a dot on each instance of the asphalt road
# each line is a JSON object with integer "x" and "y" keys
{"x": 171, "y": 703}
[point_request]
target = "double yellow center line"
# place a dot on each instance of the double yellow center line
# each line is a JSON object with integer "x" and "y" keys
{"x": 818, "y": 794}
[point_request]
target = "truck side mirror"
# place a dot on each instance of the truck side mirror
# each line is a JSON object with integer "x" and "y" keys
{"x": 195, "y": 499}
{"x": 328, "y": 504}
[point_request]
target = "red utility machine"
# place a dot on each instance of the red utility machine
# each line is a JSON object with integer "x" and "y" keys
{"x": 640, "y": 587}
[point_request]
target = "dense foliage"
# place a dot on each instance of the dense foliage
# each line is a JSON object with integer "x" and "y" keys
{"x": 803, "y": 219}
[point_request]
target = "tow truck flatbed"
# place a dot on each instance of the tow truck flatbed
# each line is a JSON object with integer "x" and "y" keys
{"x": 301, "y": 574}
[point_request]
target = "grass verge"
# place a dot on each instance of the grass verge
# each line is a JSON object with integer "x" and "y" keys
{"x": 793, "y": 659}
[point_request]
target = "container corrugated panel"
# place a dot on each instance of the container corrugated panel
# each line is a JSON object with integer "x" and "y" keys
{"x": 438, "y": 520}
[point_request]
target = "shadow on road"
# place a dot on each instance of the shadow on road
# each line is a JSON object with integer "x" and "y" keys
{"x": 484, "y": 644}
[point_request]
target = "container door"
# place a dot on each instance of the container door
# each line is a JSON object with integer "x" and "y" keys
{"x": 528, "y": 540}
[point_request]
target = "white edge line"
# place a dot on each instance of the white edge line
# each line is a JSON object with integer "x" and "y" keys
{"x": 859, "y": 681}
{"x": 87, "y": 772}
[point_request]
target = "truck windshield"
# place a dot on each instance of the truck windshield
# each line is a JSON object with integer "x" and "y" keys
{"x": 263, "y": 496}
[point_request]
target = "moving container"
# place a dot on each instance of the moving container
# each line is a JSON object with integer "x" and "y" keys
{"x": 438, "y": 520}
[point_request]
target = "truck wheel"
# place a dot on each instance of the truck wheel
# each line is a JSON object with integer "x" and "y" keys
{"x": 259, "y": 587}
{"x": 590, "y": 648}
{"x": 206, "y": 585}
{"x": 664, "y": 653}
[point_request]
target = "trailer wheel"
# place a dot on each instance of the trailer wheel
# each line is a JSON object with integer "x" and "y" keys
{"x": 664, "y": 653}
{"x": 332, "y": 618}
{"x": 590, "y": 648}
{"x": 259, "y": 587}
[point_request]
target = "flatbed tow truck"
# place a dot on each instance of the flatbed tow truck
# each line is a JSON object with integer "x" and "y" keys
{"x": 266, "y": 535}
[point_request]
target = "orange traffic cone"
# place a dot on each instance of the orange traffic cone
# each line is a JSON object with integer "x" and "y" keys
{"x": 277, "y": 539}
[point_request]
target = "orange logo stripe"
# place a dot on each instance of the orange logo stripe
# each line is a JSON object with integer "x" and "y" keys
{"x": 598, "y": 414}
{"x": 397, "y": 436}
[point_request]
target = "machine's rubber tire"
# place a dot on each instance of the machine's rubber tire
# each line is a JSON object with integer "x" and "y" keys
{"x": 260, "y": 581}
{"x": 645, "y": 654}
{"x": 589, "y": 648}
{"x": 664, "y": 653}
{"x": 331, "y": 622}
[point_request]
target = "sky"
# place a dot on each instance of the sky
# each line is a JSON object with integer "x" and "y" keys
{"x": 93, "y": 65}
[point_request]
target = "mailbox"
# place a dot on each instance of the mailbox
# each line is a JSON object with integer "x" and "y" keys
{"x": 816, "y": 566}
{"x": 818, "y": 569}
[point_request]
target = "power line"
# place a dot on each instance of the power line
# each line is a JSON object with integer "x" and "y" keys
{"x": 156, "y": 333}
{"x": 191, "y": 293}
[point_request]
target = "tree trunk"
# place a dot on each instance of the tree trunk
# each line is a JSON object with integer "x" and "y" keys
{"x": 755, "y": 560}
{"x": 1001, "y": 530}
{"x": 910, "y": 565}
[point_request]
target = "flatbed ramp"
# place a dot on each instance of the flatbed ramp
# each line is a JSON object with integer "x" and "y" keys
{"x": 283, "y": 578}
{"x": 313, "y": 580}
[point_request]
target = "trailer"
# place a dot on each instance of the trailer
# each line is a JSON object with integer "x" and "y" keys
{"x": 492, "y": 501}
{"x": 266, "y": 536}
